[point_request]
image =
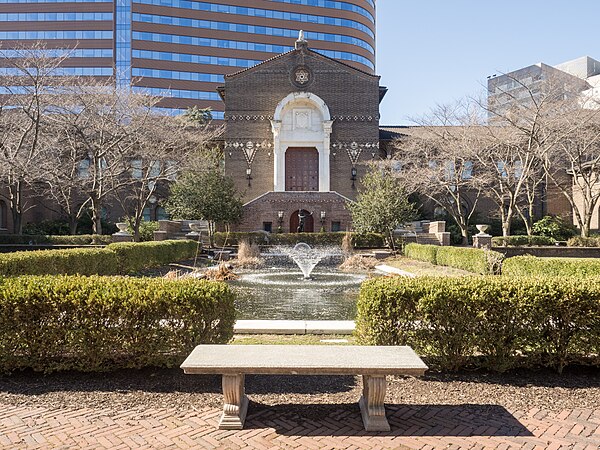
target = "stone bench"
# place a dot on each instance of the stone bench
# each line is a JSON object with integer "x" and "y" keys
{"x": 233, "y": 362}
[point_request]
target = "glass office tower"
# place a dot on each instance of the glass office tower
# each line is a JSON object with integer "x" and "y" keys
{"x": 181, "y": 49}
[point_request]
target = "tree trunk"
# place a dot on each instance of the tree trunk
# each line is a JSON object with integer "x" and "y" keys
{"x": 73, "y": 225}
{"x": 96, "y": 216}
{"x": 16, "y": 200}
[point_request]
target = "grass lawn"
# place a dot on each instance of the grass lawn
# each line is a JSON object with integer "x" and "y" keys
{"x": 421, "y": 268}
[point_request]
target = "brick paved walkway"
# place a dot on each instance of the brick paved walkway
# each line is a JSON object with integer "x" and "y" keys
{"x": 288, "y": 426}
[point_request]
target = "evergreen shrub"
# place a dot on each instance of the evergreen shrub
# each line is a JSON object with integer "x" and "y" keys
{"x": 499, "y": 323}
{"x": 422, "y": 252}
{"x": 520, "y": 241}
{"x": 52, "y": 323}
{"x": 117, "y": 258}
{"x": 579, "y": 241}
{"x": 531, "y": 265}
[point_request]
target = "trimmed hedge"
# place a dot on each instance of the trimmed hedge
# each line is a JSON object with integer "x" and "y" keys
{"x": 520, "y": 241}
{"x": 368, "y": 240}
{"x": 118, "y": 258}
{"x": 106, "y": 323}
{"x": 422, "y": 252}
{"x": 531, "y": 265}
{"x": 494, "y": 322}
{"x": 134, "y": 256}
{"x": 483, "y": 262}
{"x": 578, "y": 241}
{"x": 79, "y": 239}
{"x": 56, "y": 262}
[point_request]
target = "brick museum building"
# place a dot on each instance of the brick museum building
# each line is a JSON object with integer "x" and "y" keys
{"x": 299, "y": 129}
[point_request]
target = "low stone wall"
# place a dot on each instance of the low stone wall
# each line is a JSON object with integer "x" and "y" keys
{"x": 550, "y": 252}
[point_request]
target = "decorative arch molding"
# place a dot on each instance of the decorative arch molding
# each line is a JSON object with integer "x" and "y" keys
{"x": 295, "y": 96}
{"x": 310, "y": 130}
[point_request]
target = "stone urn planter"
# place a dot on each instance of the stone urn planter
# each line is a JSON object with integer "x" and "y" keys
{"x": 482, "y": 228}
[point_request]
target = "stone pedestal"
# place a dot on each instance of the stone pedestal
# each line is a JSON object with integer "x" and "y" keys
{"x": 371, "y": 404}
{"x": 235, "y": 405}
{"x": 122, "y": 235}
{"x": 160, "y": 236}
{"x": 482, "y": 240}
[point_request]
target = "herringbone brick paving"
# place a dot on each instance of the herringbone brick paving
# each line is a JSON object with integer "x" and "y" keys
{"x": 284, "y": 427}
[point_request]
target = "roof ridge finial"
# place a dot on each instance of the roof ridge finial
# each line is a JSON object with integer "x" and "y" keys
{"x": 301, "y": 42}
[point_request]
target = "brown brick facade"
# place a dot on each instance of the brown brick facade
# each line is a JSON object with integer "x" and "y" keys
{"x": 251, "y": 98}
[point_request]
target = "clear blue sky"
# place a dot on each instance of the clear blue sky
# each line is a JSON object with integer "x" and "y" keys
{"x": 436, "y": 51}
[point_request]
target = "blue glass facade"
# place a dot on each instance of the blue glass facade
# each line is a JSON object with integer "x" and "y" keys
{"x": 163, "y": 47}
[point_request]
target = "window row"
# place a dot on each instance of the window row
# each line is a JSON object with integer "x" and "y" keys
{"x": 252, "y": 29}
{"x": 178, "y": 93}
{"x": 256, "y": 12}
{"x": 196, "y": 59}
{"x": 64, "y": 71}
{"x": 333, "y": 5}
{"x": 60, "y": 52}
{"x": 241, "y": 45}
{"x": 54, "y": 17}
{"x": 123, "y": 43}
{"x": 47, "y": 35}
{"x": 177, "y": 75}
{"x": 216, "y": 115}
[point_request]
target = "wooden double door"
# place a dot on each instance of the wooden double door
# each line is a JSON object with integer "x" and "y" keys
{"x": 301, "y": 169}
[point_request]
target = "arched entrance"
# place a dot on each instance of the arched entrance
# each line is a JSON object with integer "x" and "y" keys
{"x": 301, "y": 169}
{"x": 302, "y": 221}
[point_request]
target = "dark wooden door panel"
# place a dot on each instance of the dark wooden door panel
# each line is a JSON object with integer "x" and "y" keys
{"x": 301, "y": 169}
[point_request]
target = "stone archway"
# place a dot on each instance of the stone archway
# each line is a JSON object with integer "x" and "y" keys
{"x": 301, "y": 120}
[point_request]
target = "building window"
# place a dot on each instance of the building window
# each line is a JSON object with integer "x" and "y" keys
{"x": 268, "y": 227}
{"x": 336, "y": 226}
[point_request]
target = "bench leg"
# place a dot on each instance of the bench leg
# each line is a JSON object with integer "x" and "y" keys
{"x": 235, "y": 403}
{"x": 371, "y": 403}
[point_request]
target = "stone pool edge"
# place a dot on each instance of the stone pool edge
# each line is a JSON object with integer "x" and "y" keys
{"x": 339, "y": 327}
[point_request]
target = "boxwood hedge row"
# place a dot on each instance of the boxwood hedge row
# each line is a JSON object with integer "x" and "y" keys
{"x": 470, "y": 259}
{"x": 493, "y": 322}
{"x": 367, "y": 240}
{"x": 531, "y": 265}
{"x": 118, "y": 258}
{"x": 51, "y": 323}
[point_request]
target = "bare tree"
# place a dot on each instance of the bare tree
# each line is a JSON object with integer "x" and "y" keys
{"x": 437, "y": 160}
{"x": 101, "y": 123}
{"x": 163, "y": 146}
{"x": 28, "y": 80}
{"x": 577, "y": 152}
{"x": 540, "y": 131}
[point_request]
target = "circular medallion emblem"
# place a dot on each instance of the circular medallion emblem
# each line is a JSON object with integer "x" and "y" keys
{"x": 301, "y": 76}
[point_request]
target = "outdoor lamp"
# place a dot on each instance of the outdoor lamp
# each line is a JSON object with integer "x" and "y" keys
{"x": 322, "y": 215}
{"x": 249, "y": 175}
{"x": 280, "y": 215}
{"x": 353, "y": 173}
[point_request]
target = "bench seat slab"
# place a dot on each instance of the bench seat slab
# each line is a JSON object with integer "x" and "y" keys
{"x": 235, "y": 403}
{"x": 371, "y": 403}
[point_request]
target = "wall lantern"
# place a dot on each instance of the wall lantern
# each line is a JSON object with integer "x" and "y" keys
{"x": 353, "y": 176}
{"x": 249, "y": 175}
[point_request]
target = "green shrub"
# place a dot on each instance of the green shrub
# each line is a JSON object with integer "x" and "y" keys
{"x": 420, "y": 252}
{"x": 78, "y": 239}
{"x": 494, "y": 322}
{"x": 579, "y": 241}
{"x": 476, "y": 260}
{"x": 554, "y": 227}
{"x": 519, "y": 241}
{"x": 135, "y": 256}
{"x": 146, "y": 231}
{"x": 101, "y": 323}
{"x": 54, "y": 262}
{"x": 531, "y": 265}
{"x": 367, "y": 240}
{"x": 117, "y": 258}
